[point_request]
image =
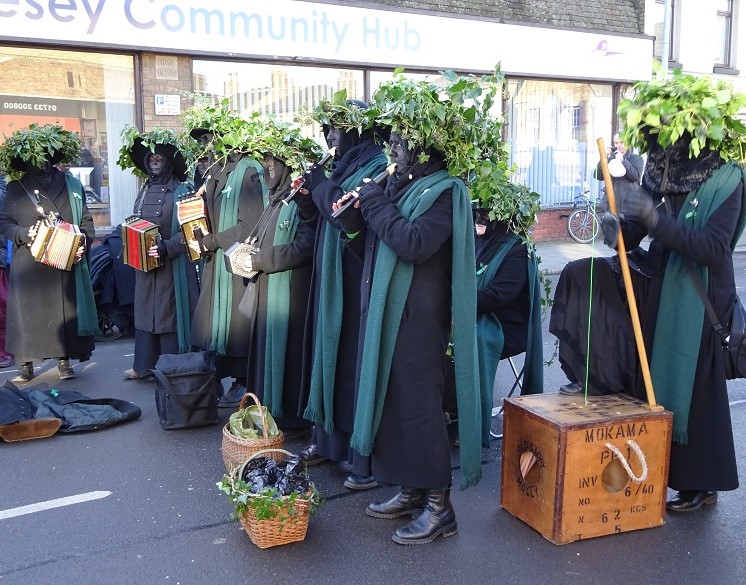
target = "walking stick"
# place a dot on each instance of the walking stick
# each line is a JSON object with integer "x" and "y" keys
{"x": 622, "y": 251}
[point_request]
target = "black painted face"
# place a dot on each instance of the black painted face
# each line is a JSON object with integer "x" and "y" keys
{"x": 334, "y": 139}
{"x": 156, "y": 163}
{"x": 399, "y": 152}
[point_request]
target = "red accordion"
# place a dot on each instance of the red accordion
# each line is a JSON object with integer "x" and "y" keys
{"x": 138, "y": 235}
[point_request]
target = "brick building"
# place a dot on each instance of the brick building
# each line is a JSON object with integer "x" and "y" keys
{"x": 99, "y": 68}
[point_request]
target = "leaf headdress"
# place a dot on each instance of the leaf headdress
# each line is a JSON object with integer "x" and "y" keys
{"x": 700, "y": 109}
{"x": 36, "y": 145}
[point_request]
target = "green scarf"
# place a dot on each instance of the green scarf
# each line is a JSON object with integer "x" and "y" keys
{"x": 85, "y": 303}
{"x": 278, "y": 315}
{"x": 490, "y": 338}
{"x": 320, "y": 407}
{"x": 677, "y": 339}
{"x": 391, "y": 281}
{"x": 222, "y": 279}
{"x": 181, "y": 286}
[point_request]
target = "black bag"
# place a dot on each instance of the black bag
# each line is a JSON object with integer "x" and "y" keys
{"x": 186, "y": 395}
{"x": 734, "y": 346}
{"x": 733, "y": 338}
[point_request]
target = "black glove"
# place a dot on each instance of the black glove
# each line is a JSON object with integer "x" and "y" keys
{"x": 351, "y": 220}
{"x": 306, "y": 205}
{"x": 639, "y": 207}
{"x": 314, "y": 177}
{"x": 610, "y": 229}
{"x": 369, "y": 190}
{"x": 23, "y": 237}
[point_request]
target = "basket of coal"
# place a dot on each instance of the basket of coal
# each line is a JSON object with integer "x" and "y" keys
{"x": 272, "y": 499}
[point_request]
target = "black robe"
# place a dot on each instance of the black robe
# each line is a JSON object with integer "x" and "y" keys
{"x": 154, "y": 299}
{"x": 411, "y": 446}
{"x": 42, "y": 311}
{"x": 250, "y": 206}
{"x": 295, "y": 256}
{"x": 707, "y": 461}
{"x": 337, "y": 445}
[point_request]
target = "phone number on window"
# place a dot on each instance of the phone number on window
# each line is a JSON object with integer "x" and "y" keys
{"x": 24, "y": 106}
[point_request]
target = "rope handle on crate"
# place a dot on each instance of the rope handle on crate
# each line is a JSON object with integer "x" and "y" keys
{"x": 640, "y": 456}
{"x": 261, "y": 412}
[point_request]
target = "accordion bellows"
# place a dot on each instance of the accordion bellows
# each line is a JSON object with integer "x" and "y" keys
{"x": 56, "y": 242}
{"x": 138, "y": 235}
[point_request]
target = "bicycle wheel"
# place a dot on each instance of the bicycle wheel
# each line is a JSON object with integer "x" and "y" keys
{"x": 582, "y": 226}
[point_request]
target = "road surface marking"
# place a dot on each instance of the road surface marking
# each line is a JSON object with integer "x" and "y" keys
{"x": 49, "y": 504}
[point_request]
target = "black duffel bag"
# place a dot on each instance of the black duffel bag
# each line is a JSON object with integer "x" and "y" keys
{"x": 186, "y": 393}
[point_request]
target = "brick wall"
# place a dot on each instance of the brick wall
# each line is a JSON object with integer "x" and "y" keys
{"x": 152, "y": 86}
{"x": 551, "y": 226}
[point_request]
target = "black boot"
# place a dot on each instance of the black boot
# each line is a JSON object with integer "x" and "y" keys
{"x": 25, "y": 373}
{"x": 438, "y": 518}
{"x": 405, "y": 501}
{"x": 65, "y": 369}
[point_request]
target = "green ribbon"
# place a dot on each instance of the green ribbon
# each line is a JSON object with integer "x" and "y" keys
{"x": 84, "y": 300}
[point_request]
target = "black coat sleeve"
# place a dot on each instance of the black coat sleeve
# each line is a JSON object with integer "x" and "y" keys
{"x": 297, "y": 253}
{"x": 413, "y": 241}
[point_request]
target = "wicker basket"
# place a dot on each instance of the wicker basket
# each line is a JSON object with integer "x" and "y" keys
{"x": 237, "y": 450}
{"x": 287, "y": 527}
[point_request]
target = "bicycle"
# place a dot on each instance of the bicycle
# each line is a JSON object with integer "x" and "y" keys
{"x": 584, "y": 222}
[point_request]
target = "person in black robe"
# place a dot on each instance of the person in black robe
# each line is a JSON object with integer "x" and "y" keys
{"x": 158, "y": 326}
{"x": 355, "y": 153}
{"x": 43, "y": 308}
{"x": 232, "y": 350}
{"x": 675, "y": 189}
{"x": 411, "y": 448}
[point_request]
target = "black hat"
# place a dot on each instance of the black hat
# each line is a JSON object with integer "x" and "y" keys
{"x": 19, "y": 164}
{"x": 197, "y": 133}
{"x": 139, "y": 151}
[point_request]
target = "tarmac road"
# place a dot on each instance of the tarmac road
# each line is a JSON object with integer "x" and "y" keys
{"x": 151, "y": 513}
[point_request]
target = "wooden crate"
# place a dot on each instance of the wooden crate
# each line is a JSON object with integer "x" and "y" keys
{"x": 561, "y": 478}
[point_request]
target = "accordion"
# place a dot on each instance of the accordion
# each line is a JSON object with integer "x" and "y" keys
{"x": 138, "y": 235}
{"x": 56, "y": 242}
{"x": 238, "y": 259}
{"x": 192, "y": 217}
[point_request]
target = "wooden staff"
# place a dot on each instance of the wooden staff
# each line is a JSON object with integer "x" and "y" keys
{"x": 628, "y": 281}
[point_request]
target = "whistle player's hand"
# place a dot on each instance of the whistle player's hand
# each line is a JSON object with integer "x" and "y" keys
{"x": 297, "y": 182}
{"x": 344, "y": 199}
{"x": 153, "y": 252}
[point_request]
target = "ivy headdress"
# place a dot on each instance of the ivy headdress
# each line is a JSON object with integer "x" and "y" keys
{"x": 35, "y": 145}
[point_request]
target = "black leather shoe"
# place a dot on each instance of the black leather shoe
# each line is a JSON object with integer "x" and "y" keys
{"x": 437, "y": 519}
{"x": 405, "y": 502}
{"x": 232, "y": 398}
{"x": 360, "y": 483}
{"x": 25, "y": 373}
{"x": 571, "y": 389}
{"x": 310, "y": 455}
{"x": 65, "y": 369}
{"x": 688, "y": 501}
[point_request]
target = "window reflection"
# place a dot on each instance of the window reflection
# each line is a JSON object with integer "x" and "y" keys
{"x": 88, "y": 93}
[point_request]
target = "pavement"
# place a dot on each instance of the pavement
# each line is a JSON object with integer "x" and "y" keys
{"x": 141, "y": 507}
{"x": 554, "y": 254}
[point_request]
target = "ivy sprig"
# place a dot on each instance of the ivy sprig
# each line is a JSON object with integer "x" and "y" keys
{"x": 341, "y": 114}
{"x": 699, "y": 109}
{"x": 37, "y": 144}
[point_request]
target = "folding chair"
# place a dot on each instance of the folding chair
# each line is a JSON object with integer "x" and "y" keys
{"x": 517, "y": 384}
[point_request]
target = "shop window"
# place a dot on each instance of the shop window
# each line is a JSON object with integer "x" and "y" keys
{"x": 552, "y": 128}
{"x": 723, "y": 33}
{"x": 281, "y": 91}
{"x": 89, "y": 93}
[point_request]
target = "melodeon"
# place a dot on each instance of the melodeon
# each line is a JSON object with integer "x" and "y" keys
{"x": 191, "y": 214}
{"x": 138, "y": 235}
{"x": 56, "y": 242}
